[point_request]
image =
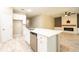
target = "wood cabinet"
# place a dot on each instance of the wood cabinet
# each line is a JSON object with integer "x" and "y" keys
{"x": 77, "y": 20}
{"x": 58, "y": 22}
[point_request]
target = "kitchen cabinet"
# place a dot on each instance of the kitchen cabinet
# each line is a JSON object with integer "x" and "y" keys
{"x": 40, "y": 43}
{"x": 58, "y": 22}
{"x": 77, "y": 20}
{"x": 44, "y": 40}
{"x": 47, "y": 44}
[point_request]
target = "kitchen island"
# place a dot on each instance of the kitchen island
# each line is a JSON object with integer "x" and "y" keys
{"x": 44, "y": 40}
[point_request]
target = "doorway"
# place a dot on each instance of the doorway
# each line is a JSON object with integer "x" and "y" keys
{"x": 17, "y": 27}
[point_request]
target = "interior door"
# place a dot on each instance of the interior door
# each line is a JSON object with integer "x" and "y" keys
{"x": 17, "y": 27}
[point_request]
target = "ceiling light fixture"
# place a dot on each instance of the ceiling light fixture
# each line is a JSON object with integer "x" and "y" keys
{"x": 69, "y": 13}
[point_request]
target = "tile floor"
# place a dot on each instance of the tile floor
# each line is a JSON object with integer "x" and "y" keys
{"x": 15, "y": 45}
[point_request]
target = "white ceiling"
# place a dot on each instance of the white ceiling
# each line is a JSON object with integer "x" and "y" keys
{"x": 52, "y": 11}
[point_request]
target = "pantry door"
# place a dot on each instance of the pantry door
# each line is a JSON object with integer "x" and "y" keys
{"x": 17, "y": 27}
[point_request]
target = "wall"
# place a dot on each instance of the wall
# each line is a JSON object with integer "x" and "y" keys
{"x": 42, "y": 21}
{"x": 72, "y": 17}
{"x": 6, "y": 14}
{"x": 20, "y": 17}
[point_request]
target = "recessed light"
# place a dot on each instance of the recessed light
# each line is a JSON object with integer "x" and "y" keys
{"x": 22, "y": 9}
{"x": 29, "y": 10}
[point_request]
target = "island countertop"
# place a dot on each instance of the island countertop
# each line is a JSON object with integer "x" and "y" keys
{"x": 46, "y": 32}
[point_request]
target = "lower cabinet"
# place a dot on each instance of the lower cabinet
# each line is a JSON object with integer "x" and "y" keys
{"x": 40, "y": 43}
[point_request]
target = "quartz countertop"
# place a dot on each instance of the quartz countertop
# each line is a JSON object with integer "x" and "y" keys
{"x": 46, "y": 32}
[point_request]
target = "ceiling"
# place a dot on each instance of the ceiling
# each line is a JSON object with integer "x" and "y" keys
{"x": 52, "y": 11}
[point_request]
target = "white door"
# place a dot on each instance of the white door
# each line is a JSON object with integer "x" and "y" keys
{"x": 6, "y": 23}
{"x": 17, "y": 27}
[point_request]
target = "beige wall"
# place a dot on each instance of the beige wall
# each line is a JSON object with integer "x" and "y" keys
{"x": 43, "y": 21}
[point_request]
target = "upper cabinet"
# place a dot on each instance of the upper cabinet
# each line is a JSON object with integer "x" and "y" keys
{"x": 77, "y": 20}
{"x": 58, "y": 22}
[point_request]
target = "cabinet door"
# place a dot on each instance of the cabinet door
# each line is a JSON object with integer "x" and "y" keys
{"x": 52, "y": 44}
{"x": 42, "y": 43}
{"x": 33, "y": 41}
{"x": 78, "y": 21}
{"x": 58, "y": 22}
